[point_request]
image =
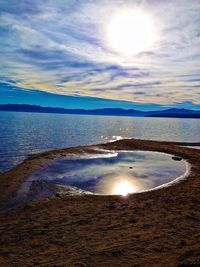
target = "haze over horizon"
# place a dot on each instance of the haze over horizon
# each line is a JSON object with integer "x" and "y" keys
{"x": 90, "y": 54}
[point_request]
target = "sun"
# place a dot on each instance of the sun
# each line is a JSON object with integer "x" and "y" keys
{"x": 123, "y": 188}
{"x": 130, "y": 32}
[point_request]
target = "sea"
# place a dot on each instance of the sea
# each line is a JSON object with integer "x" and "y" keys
{"x": 22, "y": 134}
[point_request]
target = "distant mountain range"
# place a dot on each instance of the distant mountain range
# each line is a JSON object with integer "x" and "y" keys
{"x": 170, "y": 113}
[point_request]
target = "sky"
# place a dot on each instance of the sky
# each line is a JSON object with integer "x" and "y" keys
{"x": 67, "y": 53}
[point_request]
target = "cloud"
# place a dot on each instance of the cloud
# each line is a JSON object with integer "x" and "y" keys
{"x": 61, "y": 47}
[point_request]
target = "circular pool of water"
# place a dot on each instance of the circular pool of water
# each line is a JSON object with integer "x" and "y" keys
{"x": 116, "y": 173}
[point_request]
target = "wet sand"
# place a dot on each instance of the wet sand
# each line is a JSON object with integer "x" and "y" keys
{"x": 155, "y": 228}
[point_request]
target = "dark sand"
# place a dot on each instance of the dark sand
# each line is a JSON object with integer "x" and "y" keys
{"x": 155, "y": 228}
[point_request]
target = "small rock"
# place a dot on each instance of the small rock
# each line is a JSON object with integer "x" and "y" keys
{"x": 176, "y": 158}
{"x": 111, "y": 206}
{"x": 182, "y": 244}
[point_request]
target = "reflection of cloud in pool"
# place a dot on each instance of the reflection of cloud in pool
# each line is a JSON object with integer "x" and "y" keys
{"x": 112, "y": 172}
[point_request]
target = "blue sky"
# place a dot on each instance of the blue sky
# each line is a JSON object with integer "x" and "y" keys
{"x": 57, "y": 53}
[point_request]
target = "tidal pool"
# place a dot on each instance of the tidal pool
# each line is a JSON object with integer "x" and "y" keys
{"x": 116, "y": 173}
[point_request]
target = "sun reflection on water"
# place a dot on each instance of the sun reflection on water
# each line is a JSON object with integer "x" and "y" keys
{"x": 123, "y": 188}
{"x": 119, "y": 184}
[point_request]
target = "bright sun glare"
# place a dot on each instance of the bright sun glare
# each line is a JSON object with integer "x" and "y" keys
{"x": 123, "y": 188}
{"x": 130, "y": 32}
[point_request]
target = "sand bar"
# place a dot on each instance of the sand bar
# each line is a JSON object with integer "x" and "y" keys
{"x": 155, "y": 228}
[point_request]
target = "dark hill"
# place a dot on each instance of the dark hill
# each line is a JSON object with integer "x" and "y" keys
{"x": 172, "y": 113}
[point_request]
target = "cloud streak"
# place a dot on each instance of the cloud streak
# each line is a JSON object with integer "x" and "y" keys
{"x": 61, "y": 47}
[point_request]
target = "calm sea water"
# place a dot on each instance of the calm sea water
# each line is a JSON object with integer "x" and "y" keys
{"x": 25, "y": 133}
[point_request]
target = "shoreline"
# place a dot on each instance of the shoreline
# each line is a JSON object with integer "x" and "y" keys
{"x": 164, "y": 218}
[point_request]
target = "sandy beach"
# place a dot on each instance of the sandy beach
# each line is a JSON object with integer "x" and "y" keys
{"x": 156, "y": 228}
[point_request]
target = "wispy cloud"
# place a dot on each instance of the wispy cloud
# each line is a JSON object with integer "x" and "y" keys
{"x": 61, "y": 47}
